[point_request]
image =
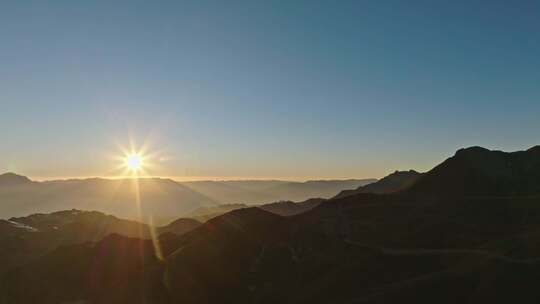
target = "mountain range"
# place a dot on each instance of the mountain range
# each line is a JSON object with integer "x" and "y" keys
{"x": 162, "y": 199}
{"x": 464, "y": 232}
{"x": 396, "y": 181}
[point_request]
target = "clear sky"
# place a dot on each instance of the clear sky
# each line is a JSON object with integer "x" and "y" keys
{"x": 241, "y": 89}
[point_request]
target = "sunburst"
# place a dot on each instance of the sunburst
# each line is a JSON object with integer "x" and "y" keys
{"x": 134, "y": 162}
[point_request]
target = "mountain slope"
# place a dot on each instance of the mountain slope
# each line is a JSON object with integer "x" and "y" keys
{"x": 114, "y": 270}
{"x": 397, "y": 181}
{"x": 25, "y": 238}
{"x": 179, "y": 226}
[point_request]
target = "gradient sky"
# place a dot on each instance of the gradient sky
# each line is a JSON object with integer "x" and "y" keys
{"x": 241, "y": 89}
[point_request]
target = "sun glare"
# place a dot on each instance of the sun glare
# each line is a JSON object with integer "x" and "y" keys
{"x": 134, "y": 162}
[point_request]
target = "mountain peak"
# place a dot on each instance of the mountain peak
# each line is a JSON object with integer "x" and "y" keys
{"x": 403, "y": 173}
{"x": 472, "y": 150}
{"x": 535, "y": 149}
{"x": 477, "y": 171}
{"x": 10, "y": 179}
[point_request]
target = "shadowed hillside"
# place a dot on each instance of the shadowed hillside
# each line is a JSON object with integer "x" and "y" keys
{"x": 25, "y": 238}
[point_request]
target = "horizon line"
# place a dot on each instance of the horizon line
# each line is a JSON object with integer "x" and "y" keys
{"x": 193, "y": 178}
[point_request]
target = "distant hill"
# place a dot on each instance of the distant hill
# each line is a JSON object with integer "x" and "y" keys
{"x": 397, "y": 181}
{"x": 81, "y": 226}
{"x": 161, "y": 199}
{"x": 236, "y": 192}
{"x": 288, "y": 208}
{"x": 12, "y": 179}
{"x": 179, "y": 226}
{"x": 203, "y": 214}
{"x": 259, "y": 192}
{"x": 283, "y": 208}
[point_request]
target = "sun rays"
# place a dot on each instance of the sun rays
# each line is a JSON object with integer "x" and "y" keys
{"x": 134, "y": 161}
{"x": 135, "y": 164}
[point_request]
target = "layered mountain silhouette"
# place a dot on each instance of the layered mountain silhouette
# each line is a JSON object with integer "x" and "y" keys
{"x": 464, "y": 232}
{"x": 162, "y": 199}
{"x": 255, "y": 192}
{"x": 283, "y": 208}
{"x": 399, "y": 180}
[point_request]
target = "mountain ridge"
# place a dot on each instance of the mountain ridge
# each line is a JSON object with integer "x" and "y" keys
{"x": 394, "y": 182}
{"x": 477, "y": 171}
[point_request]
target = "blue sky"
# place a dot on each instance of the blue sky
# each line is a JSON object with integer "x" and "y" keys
{"x": 241, "y": 89}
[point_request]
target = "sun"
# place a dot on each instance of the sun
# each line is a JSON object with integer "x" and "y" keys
{"x": 134, "y": 162}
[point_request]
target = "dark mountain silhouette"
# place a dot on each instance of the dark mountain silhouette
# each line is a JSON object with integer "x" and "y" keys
{"x": 397, "y": 181}
{"x": 222, "y": 255}
{"x": 394, "y": 239}
{"x": 25, "y": 238}
{"x": 437, "y": 241}
{"x": 477, "y": 171}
